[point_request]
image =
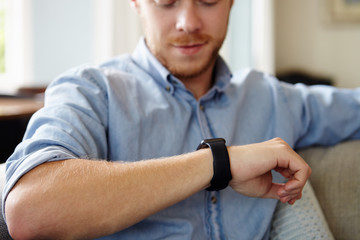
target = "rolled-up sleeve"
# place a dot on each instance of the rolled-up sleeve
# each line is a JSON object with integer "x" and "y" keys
{"x": 72, "y": 124}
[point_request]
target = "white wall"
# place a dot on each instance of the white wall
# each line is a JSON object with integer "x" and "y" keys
{"x": 237, "y": 47}
{"x": 305, "y": 40}
{"x": 262, "y": 39}
{"x": 60, "y": 34}
{"x": 127, "y": 27}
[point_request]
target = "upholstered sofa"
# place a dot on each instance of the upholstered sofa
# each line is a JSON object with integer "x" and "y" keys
{"x": 336, "y": 207}
{"x": 335, "y": 181}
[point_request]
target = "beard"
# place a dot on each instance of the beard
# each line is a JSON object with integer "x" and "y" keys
{"x": 189, "y": 66}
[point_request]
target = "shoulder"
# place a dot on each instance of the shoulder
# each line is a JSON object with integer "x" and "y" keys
{"x": 253, "y": 80}
{"x": 122, "y": 62}
{"x": 98, "y": 77}
{"x": 253, "y": 77}
{"x": 266, "y": 88}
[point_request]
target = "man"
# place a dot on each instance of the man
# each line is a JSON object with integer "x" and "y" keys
{"x": 158, "y": 104}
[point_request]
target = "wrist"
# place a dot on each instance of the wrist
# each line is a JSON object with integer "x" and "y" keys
{"x": 221, "y": 163}
{"x": 206, "y": 169}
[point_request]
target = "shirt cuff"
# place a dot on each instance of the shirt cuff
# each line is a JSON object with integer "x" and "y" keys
{"x": 17, "y": 168}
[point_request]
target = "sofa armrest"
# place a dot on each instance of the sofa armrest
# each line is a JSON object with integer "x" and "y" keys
{"x": 4, "y": 234}
{"x": 335, "y": 180}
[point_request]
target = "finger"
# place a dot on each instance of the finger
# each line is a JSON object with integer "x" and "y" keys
{"x": 274, "y": 191}
{"x": 297, "y": 173}
{"x": 290, "y": 164}
{"x": 284, "y": 172}
{"x": 292, "y": 201}
{"x": 294, "y": 185}
{"x": 289, "y": 194}
{"x": 285, "y": 196}
{"x": 291, "y": 198}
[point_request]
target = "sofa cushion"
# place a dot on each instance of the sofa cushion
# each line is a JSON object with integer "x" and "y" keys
{"x": 303, "y": 220}
{"x": 335, "y": 180}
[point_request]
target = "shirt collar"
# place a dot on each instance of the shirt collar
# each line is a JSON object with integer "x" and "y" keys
{"x": 147, "y": 61}
{"x": 222, "y": 74}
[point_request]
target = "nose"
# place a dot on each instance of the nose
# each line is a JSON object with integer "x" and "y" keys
{"x": 188, "y": 19}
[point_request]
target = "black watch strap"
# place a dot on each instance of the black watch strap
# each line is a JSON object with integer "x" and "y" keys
{"x": 221, "y": 163}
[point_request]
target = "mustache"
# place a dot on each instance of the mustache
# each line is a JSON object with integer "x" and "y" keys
{"x": 190, "y": 39}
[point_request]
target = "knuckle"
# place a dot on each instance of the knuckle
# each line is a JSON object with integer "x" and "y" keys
{"x": 309, "y": 170}
{"x": 278, "y": 140}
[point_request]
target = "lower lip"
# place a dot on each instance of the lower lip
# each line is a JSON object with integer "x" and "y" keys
{"x": 189, "y": 50}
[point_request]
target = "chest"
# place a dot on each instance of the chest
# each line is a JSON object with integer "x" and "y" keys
{"x": 144, "y": 127}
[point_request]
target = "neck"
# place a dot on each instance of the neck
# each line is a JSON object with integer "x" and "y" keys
{"x": 199, "y": 85}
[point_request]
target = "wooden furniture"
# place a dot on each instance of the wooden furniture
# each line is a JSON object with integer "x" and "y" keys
{"x": 13, "y": 108}
{"x": 15, "y": 113}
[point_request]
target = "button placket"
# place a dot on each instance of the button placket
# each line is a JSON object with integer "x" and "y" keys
{"x": 204, "y": 125}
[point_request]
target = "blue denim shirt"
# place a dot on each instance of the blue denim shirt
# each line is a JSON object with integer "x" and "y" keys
{"x": 131, "y": 108}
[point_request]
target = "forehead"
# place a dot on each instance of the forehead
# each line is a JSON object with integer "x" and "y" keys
{"x": 163, "y": 6}
{"x": 168, "y": 1}
{"x": 172, "y": 1}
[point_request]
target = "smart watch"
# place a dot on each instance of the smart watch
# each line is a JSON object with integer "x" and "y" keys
{"x": 221, "y": 163}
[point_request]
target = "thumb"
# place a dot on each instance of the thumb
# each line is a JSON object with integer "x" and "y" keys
{"x": 274, "y": 190}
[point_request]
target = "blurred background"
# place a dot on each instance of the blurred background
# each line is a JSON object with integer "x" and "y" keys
{"x": 42, "y": 38}
{"x": 39, "y": 39}
{"x": 310, "y": 41}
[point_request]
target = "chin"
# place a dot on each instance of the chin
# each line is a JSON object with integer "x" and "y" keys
{"x": 189, "y": 73}
{"x": 188, "y": 67}
{"x": 191, "y": 70}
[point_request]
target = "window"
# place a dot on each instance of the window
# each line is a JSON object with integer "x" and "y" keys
{"x": 237, "y": 47}
{"x": 14, "y": 44}
{"x": 2, "y": 36}
{"x": 249, "y": 43}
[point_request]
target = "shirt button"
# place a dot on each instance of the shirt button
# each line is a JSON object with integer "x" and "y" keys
{"x": 168, "y": 88}
{"x": 202, "y": 107}
{"x": 213, "y": 200}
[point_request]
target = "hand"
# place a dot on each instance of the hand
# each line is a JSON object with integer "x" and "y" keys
{"x": 251, "y": 167}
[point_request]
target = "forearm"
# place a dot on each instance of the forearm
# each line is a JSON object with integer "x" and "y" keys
{"x": 93, "y": 198}
{"x": 77, "y": 199}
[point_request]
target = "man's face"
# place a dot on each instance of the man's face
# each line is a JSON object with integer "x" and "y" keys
{"x": 184, "y": 35}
